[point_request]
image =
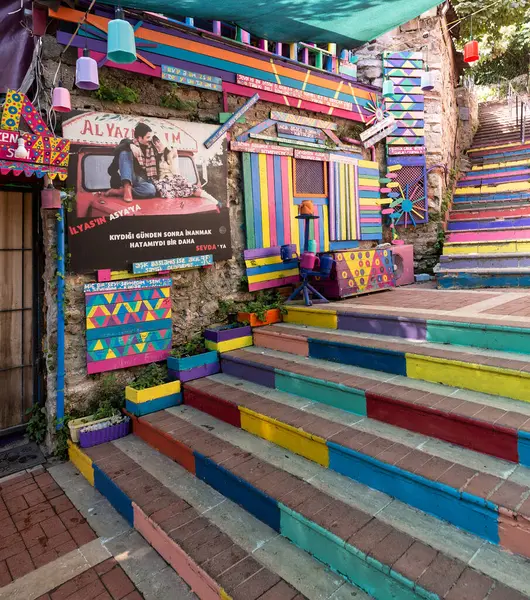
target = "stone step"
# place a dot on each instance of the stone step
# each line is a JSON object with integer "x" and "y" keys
{"x": 493, "y": 261}
{"x": 507, "y": 165}
{"x": 473, "y": 279}
{"x": 480, "y": 151}
{"x": 480, "y": 422}
{"x": 493, "y": 188}
{"x": 286, "y": 492}
{"x": 479, "y": 331}
{"x": 181, "y": 530}
{"x": 499, "y": 373}
{"x": 306, "y": 428}
{"x": 485, "y": 224}
{"x": 490, "y": 200}
{"x": 478, "y": 179}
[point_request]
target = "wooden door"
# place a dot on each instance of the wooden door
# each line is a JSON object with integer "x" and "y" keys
{"x": 16, "y": 307}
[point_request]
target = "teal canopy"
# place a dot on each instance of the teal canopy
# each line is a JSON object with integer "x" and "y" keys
{"x": 349, "y": 23}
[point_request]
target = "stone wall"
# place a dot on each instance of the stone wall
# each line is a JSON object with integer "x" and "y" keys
{"x": 446, "y": 135}
{"x": 195, "y": 293}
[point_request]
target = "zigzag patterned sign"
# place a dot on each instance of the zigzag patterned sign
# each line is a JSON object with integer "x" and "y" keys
{"x": 127, "y": 325}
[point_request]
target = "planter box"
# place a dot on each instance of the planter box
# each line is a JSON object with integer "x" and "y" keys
{"x": 106, "y": 434}
{"x": 193, "y": 367}
{"x": 224, "y": 340}
{"x": 76, "y": 424}
{"x": 271, "y": 316}
{"x": 159, "y": 397}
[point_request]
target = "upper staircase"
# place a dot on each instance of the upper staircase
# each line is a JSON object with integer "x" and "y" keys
{"x": 488, "y": 226}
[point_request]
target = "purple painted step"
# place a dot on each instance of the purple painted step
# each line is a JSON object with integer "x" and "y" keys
{"x": 489, "y": 236}
{"x": 485, "y": 261}
{"x": 497, "y": 224}
{"x": 493, "y": 181}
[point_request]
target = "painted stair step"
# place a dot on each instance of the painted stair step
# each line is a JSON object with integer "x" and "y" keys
{"x": 315, "y": 520}
{"x": 471, "y": 280}
{"x": 485, "y": 224}
{"x": 439, "y": 411}
{"x": 497, "y": 373}
{"x": 493, "y": 178}
{"x": 490, "y": 200}
{"x": 205, "y": 557}
{"x": 473, "y": 261}
{"x": 489, "y": 236}
{"x": 303, "y": 572}
{"x": 505, "y": 211}
{"x": 494, "y": 188}
{"x": 486, "y": 332}
{"x": 506, "y": 167}
{"x": 280, "y": 419}
{"x": 487, "y": 247}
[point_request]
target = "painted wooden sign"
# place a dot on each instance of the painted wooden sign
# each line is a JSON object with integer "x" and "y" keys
{"x": 299, "y": 120}
{"x": 128, "y": 323}
{"x": 265, "y": 268}
{"x": 300, "y": 131}
{"x": 308, "y": 155}
{"x": 260, "y": 148}
{"x": 46, "y": 154}
{"x": 404, "y": 150}
{"x": 381, "y": 135}
{"x": 173, "y": 264}
{"x": 200, "y": 80}
{"x": 379, "y": 126}
{"x": 231, "y": 121}
{"x": 283, "y": 90}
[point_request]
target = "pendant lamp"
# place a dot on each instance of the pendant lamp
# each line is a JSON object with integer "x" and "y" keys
{"x": 388, "y": 88}
{"x": 86, "y": 72}
{"x": 21, "y": 151}
{"x": 121, "y": 45}
{"x": 61, "y": 99}
{"x": 427, "y": 80}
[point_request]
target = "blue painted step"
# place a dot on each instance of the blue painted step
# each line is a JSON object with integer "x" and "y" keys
{"x": 492, "y": 181}
{"x": 501, "y": 196}
{"x": 479, "y": 278}
{"x": 519, "y": 167}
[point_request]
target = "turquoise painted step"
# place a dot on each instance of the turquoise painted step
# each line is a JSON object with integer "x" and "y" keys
{"x": 472, "y": 279}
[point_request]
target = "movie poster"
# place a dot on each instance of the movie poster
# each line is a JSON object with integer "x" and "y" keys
{"x": 146, "y": 189}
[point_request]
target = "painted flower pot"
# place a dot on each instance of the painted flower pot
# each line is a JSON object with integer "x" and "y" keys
{"x": 75, "y": 425}
{"x": 153, "y": 399}
{"x": 271, "y": 316}
{"x": 105, "y": 434}
{"x": 193, "y": 367}
{"x": 224, "y": 339}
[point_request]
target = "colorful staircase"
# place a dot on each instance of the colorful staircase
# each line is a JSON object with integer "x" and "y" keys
{"x": 329, "y": 462}
{"x": 488, "y": 227}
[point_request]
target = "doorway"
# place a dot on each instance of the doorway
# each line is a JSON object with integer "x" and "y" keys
{"x": 19, "y": 313}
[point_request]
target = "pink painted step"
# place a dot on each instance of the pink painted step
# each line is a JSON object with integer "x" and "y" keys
{"x": 501, "y": 173}
{"x": 473, "y": 215}
{"x": 490, "y": 236}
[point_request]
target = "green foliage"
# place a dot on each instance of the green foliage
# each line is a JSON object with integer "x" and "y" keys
{"x": 108, "y": 397}
{"x": 489, "y": 18}
{"x": 171, "y": 99}
{"x": 150, "y": 376}
{"x": 62, "y": 436}
{"x": 263, "y": 302}
{"x": 37, "y": 424}
{"x": 226, "y": 309}
{"x": 192, "y": 347}
{"x": 121, "y": 94}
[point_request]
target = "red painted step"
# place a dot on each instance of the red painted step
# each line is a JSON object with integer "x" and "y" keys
{"x": 501, "y": 213}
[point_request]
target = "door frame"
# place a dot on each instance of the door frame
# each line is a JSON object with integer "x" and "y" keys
{"x": 37, "y": 295}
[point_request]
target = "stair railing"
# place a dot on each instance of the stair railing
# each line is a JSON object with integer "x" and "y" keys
{"x": 521, "y": 110}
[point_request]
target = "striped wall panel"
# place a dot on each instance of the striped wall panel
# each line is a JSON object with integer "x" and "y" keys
{"x": 344, "y": 223}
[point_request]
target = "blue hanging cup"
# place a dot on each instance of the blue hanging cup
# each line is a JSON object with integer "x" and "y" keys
{"x": 121, "y": 44}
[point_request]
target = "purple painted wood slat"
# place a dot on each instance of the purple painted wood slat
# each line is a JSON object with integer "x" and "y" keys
{"x": 261, "y": 252}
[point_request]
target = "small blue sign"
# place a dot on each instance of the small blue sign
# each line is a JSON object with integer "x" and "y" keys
{"x": 190, "y": 78}
{"x": 171, "y": 264}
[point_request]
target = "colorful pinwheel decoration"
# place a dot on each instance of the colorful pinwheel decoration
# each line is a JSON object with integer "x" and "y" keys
{"x": 376, "y": 106}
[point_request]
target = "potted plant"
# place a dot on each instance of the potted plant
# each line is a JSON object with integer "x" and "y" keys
{"x": 223, "y": 338}
{"x": 107, "y": 401}
{"x": 104, "y": 430}
{"x": 192, "y": 360}
{"x": 265, "y": 309}
{"x": 151, "y": 391}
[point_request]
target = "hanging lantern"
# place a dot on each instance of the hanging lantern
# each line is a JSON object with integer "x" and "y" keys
{"x": 39, "y": 20}
{"x": 50, "y": 197}
{"x": 61, "y": 99}
{"x": 121, "y": 45}
{"x": 427, "y": 80}
{"x": 471, "y": 52}
{"x": 388, "y": 88}
{"x": 86, "y": 72}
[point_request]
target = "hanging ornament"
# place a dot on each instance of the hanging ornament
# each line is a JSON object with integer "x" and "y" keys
{"x": 471, "y": 53}
{"x": 427, "y": 80}
{"x": 21, "y": 151}
{"x": 86, "y": 72}
{"x": 61, "y": 99}
{"x": 121, "y": 45}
